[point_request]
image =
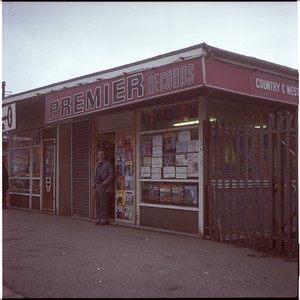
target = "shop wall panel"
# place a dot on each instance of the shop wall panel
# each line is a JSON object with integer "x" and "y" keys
{"x": 19, "y": 201}
{"x": 49, "y": 133}
{"x": 35, "y": 203}
{"x": 31, "y": 115}
{"x": 169, "y": 219}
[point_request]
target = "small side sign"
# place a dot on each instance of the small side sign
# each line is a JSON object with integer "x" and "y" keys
{"x": 9, "y": 117}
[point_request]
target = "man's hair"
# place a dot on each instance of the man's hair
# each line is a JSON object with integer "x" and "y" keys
{"x": 101, "y": 149}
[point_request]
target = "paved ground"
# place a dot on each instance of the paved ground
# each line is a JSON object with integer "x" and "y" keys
{"x": 46, "y": 256}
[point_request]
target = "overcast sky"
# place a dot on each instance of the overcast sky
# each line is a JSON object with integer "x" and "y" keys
{"x": 48, "y": 42}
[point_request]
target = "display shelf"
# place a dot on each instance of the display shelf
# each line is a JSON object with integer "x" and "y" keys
{"x": 169, "y": 155}
{"x": 169, "y": 180}
{"x": 25, "y": 163}
{"x": 168, "y": 206}
{"x": 172, "y": 193}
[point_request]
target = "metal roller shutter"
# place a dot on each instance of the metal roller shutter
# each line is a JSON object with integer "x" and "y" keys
{"x": 81, "y": 169}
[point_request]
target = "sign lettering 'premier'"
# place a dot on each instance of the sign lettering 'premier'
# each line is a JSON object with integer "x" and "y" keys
{"x": 123, "y": 90}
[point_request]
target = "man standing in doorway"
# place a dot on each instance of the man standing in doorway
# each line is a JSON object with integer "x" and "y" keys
{"x": 102, "y": 184}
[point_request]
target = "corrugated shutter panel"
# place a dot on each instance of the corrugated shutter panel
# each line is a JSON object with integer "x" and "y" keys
{"x": 80, "y": 169}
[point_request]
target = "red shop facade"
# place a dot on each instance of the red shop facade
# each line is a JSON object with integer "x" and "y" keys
{"x": 203, "y": 142}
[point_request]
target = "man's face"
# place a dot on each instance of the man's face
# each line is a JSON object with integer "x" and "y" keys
{"x": 101, "y": 155}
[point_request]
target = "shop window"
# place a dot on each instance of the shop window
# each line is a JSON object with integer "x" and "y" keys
{"x": 168, "y": 116}
{"x": 169, "y": 155}
{"x": 25, "y": 163}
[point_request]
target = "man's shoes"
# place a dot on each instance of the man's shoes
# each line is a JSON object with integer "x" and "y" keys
{"x": 103, "y": 223}
{"x": 97, "y": 223}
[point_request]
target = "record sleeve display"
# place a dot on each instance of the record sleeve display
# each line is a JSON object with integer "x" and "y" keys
{"x": 172, "y": 154}
{"x": 170, "y": 193}
{"x": 169, "y": 155}
{"x": 125, "y": 143}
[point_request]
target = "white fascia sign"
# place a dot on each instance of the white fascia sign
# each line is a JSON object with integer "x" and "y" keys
{"x": 9, "y": 117}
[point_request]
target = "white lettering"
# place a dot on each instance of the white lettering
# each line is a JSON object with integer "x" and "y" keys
{"x": 171, "y": 79}
{"x": 267, "y": 85}
{"x": 292, "y": 91}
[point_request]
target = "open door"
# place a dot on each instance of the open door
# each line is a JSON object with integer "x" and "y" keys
{"x": 107, "y": 142}
{"x": 48, "y": 197}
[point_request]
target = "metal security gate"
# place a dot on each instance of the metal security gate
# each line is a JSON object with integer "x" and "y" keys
{"x": 252, "y": 184}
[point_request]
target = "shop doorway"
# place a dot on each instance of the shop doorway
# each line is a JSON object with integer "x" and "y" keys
{"x": 107, "y": 142}
{"x": 48, "y": 197}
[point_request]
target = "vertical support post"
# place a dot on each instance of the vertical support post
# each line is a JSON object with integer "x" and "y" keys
{"x": 202, "y": 169}
{"x": 279, "y": 184}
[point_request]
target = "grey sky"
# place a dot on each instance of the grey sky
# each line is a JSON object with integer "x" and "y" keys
{"x": 48, "y": 42}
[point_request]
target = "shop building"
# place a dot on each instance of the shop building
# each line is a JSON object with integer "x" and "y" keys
{"x": 203, "y": 141}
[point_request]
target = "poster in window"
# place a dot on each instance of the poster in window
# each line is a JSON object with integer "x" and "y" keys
{"x": 165, "y": 192}
{"x": 181, "y": 172}
{"x": 128, "y": 154}
{"x": 193, "y": 146}
{"x": 155, "y": 173}
{"x": 157, "y": 140}
{"x": 145, "y": 172}
{"x": 193, "y": 164}
{"x": 120, "y": 139}
{"x": 169, "y": 172}
{"x": 168, "y": 160}
{"x": 153, "y": 195}
{"x": 190, "y": 194}
{"x": 184, "y": 136}
{"x": 157, "y": 151}
{"x": 177, "y": 194}
{"x": 120, "y": 182}
{"x": 120, "y": 198}
{"x": 146, "y": 146}
{"x": 128, "y": 198}
{"x": 147, "y": 161}
{"x": 128, "y": 140}
{"x": 120, "y": 155}
{"x": 156, "y": 162}
{"x": 169, "y": 141}
{"x": 128, "y": 176}
{"x": 181, "y": 147}
{"x": 120, "y": 168}
{"x": 181, "y": 160}
{"x": 120, "y": 211}
{"x": 128, "y": 213}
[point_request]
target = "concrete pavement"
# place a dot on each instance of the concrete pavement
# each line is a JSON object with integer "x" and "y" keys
{"x": 46, "y": 256}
